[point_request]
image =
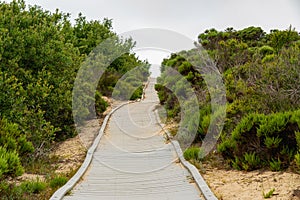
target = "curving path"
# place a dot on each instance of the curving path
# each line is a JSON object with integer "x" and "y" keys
{"x": 132, "y": 160}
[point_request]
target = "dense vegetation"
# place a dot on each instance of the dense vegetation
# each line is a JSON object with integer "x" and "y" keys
{"x": 261, "y": 73}
{"x": 40, "y": 54}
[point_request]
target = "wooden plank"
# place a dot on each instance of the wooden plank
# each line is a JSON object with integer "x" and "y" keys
{"x": 132, "y": 160}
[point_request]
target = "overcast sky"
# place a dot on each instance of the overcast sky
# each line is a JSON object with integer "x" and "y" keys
{"x": 189, "y": 17}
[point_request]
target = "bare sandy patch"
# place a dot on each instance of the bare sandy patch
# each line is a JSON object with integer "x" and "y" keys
{"x": 233, "y": 184}
{"x": 71, "y": 153}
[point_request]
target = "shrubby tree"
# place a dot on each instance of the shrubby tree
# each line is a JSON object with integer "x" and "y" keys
{"x": 261, "y": 74}
{"x": 40, "y": 55}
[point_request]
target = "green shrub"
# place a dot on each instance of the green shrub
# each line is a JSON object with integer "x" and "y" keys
{"x": 251, "y": 161}
{"x": 227, "y": 147}
{"x": 260, "y": 139}
{"x": 274, "y": 124}
{"x": 275, "y": 165}
{"x": 12, "y": 139}
{"x": 268, "y": 58}
{"x": 3, "y": 165}
{"x": 297, "y": 160}
{"x": 236, "y": 163}
{"x": 10, "y": 191}
{"x": 184, "y": 68}
{"x": 193, "y": 153}
{"x": 297, "y": 133}
{"x": 260, "y": 72}
{"x": 58, "y": 181}
{"x": 248, "y": 125}
{"x": 272, "y": 142}
{"x": 204, "y": 124}
{"x": 288, "y": 153}
{"x": 10, "y": 164}
{"x": 41, "y": 53}
{"x": 33, "y": 187}
{"x": 100, "y": 103}
{"x": 137, "y": 93}
{"x": 266, "y": 50}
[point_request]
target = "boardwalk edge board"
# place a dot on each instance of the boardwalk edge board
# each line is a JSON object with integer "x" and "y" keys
{"x": 61, "y": 192}
{"x": 200, "y": 182}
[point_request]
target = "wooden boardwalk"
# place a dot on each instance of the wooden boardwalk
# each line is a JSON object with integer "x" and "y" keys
{"x": 132, "y": 160}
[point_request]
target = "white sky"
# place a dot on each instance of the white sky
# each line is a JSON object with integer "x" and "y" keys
{"x": 189, "y": 17}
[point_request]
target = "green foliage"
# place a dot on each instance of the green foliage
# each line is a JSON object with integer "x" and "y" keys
{"x": 14, "y": 146}
{"x": 268, "y": 58}
{"x": 251, "y": 161}
{"x": 269, "y": 194}
{"x": 137, "y": 73}
{"x": 193, "y": 153}
{"x": 33, "y": 187}
{"x": 184, "y": 68}
{"x": 275, "y": 165}
{"x": 204, "y": 124}
{"x": 289, "y": 153}
{"x": 236, "y": 163}
{"x": 297, "y": 133}
{"x": 231, "y": 48}
{"x": 137, "y": 93}
{"x": 297, "y": 160}
{"x": 58, "y": 181}
{"x": 266, "y": 50}
{"x": 130, "y": 86}
{"x": 248, "y": 162}
{"x": 272, "y": 138}
{"x": 261, "y": 74}
{"x": 9, "y": 191}
{"x": 267, "y": 53}
{"x": 10, "y": 164}
{"x": 100, "y": 103}
{"x": 89, "y": 34}
{"x": 249, "y": 123}
{"x": 279, "y": 39}
{"x": 272, "y": 142}
{"x": 168, "y": 99}
{"x": 40, "y": 54}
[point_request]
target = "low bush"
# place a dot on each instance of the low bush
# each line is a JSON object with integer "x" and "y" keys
{"x": 275, "y": 165}
{"x": 14, "y": 148}
{"x": 58, "y": 181}
{"x": 263, "y": 140}
{"x": 193, "y": 153}
{"x": 33, "y": 187}
{"x": 26, "y": 190}
{"x": 251, "y": 161}
{"x": 10, "y": 164}
{"x": 297, "y": 160}
{"x": 10, "y": 191}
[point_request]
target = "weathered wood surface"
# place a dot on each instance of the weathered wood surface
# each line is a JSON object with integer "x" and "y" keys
{"x": 132, "y": 160}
